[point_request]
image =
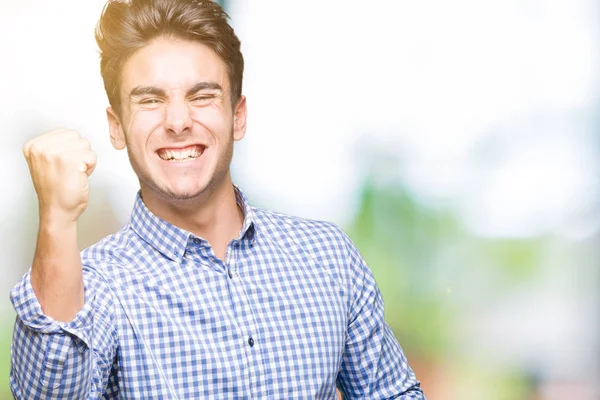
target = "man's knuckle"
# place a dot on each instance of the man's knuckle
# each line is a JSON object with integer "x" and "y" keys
{"x": 35, "y": 149}
{"x": 72, "y": 134}
{"x": 85, "y": 143}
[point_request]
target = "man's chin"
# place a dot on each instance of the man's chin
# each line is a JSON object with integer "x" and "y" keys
{"x": 182, "y": 191}
{"x": 176, "y": 194}
{"x": 183, "y": 195}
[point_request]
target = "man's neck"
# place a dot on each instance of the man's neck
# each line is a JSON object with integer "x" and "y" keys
{"x": 214, "y": 216}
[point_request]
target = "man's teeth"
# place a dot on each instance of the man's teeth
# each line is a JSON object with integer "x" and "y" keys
{"x": 180, "y": 155}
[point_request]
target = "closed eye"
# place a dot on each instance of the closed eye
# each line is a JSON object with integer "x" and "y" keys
{"x": 202, "y": 99}
{"x": 150, "y": 101}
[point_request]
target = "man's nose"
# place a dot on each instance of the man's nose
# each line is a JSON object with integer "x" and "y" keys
{"x": 178, "y": 118}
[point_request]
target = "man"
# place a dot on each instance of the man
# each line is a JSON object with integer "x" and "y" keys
{"x": 200, "y": 295}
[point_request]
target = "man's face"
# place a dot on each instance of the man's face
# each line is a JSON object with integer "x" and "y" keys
{"x": 177, "y": 120}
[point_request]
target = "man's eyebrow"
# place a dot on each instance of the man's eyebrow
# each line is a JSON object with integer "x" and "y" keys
{"x": 153, "y": 90}
{"x": 203, "y": 85}
{"x": 142, "y": 90}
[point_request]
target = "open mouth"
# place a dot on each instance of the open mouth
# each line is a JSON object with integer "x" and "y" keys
{"x": 184, "y": 154}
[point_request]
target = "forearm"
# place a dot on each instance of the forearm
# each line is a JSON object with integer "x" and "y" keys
{"x": 60, "y": 162}
{"x": 56, "y": 274}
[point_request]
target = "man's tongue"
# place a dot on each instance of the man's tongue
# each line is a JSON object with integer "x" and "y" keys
{"x": 186, "y": 153}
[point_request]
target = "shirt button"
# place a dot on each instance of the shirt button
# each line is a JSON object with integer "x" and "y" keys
{"x": 251, "y": 341}
{"x": 230, "y": 274}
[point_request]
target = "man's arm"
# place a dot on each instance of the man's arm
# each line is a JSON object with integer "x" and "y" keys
{"x": 57, "y": 339}
{"x": 373, "y": 364}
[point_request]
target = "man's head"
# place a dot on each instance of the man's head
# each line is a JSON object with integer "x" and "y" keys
{"x": 173, "y": 73}
{"x": 127, "y": 26}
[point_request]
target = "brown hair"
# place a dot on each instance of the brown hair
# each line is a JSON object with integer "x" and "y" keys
{"x": 127, "y": 26}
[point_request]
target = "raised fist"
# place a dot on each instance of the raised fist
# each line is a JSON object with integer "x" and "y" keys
{"x": 60, "y": 162}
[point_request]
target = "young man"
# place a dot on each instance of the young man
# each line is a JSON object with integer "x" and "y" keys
{"x": 200, "y": 295}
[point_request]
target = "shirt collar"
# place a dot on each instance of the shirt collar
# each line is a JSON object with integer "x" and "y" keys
{"x": 247, "y": 232}
{"x": 171, "y": 240}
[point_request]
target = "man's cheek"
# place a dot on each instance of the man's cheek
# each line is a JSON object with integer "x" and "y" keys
{"x": 214, "y": 125}
{"x": 143, "y": 122}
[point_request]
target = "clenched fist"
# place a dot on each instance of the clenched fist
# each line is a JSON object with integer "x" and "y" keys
{"x": 60, "y": 162}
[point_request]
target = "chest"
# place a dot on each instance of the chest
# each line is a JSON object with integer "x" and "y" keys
{"x": 254, "y": 327}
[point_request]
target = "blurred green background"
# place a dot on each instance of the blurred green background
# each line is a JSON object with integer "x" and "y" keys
{"x": 455, "y": 142}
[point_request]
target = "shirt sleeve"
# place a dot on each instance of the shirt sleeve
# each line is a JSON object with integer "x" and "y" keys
{"x": 373, "y": 365}
{"x": 56, "y": 360}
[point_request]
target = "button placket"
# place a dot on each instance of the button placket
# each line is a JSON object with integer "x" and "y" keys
{"x": 244, "y": 314}
{"x": 231, "y": 261}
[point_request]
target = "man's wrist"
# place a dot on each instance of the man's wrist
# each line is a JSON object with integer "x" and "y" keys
{"x": 56, "y": 220}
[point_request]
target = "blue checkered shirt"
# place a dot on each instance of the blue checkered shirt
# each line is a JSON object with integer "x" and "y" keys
{"x": 292, "y": 312}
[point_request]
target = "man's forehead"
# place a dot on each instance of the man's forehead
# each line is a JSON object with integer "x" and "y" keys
{"x": 173, "y": 65}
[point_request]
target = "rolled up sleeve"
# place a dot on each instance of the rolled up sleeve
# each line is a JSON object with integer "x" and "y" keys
{"x": 58, "y": 360}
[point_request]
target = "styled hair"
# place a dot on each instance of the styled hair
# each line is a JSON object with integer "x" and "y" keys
{"x": 127, "y": 26}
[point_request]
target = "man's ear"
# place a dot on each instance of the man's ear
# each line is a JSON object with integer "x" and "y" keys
{"x": 117, "y": 136}
{"x": 239, "y": 119}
